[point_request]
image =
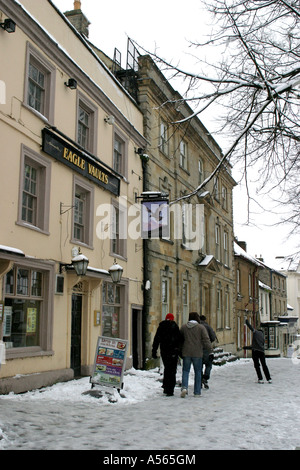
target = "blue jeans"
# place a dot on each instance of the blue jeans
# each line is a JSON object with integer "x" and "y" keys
{"x": 186, "y": 366}
{"x": 207, "y": 363}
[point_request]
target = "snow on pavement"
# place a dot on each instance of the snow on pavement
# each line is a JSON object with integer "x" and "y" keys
{"x": 235, "y": 413}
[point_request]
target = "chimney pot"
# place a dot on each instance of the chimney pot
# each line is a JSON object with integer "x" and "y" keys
{"x": 77, "y": 5}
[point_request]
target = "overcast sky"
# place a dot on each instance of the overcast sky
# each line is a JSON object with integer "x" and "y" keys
{"x": 168, "y": 26}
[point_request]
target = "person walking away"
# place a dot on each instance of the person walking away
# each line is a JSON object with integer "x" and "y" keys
{"x": 168, "y": 338}
{"x": 258, "y": 353}
{"x": 195, "y": 339}
{"x": 207, "y": 356}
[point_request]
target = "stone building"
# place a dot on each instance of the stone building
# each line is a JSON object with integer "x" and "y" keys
{"x": 191, "y": 269}
{"x": 247, "y": 271}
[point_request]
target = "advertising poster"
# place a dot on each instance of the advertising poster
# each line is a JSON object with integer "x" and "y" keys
{"x": 110, "y": 362}
{"x": 31, "y": 321}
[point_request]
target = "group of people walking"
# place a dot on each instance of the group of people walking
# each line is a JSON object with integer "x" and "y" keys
{"x": 193, "y": 342}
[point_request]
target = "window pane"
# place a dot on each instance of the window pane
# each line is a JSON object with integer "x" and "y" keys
{"x": 36, "y": 284}
{"x": 36, "y": 88}
{"x": 79, "y": 216}
{"x": 9, "y": 282}
{"x": 83, "y": 128}
{"x": 29, "y": 198}
{"x": 22, "y": 282}
{"x": 117, "y": 163}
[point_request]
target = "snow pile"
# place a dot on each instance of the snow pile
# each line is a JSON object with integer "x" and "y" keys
{"x": 235, "y": 413}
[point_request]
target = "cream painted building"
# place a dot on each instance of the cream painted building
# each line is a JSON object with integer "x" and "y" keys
{"x": 69, "y": 178}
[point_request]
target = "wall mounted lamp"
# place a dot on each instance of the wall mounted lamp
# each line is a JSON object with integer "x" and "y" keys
{"x": 110, "y": 120}
{"x": 8, "y": 25}
{"x": 115, "y": 272}
{"x": 71, "y": 83}
{"x": 79, "y": 263}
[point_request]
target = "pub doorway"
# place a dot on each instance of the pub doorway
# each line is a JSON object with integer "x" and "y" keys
{"x": 76, "y": 334}
{"x": 137, "y": 338}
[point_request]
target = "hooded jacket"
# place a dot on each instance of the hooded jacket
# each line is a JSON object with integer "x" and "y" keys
{"x": 194, "y": 339}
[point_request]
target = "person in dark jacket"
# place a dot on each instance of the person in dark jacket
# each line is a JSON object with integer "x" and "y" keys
{"x": 258, "y": 353}
{"x": 207, "y": 356}
{"x": 167, "y": 337}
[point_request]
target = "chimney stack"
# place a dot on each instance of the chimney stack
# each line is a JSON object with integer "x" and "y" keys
{"x": 78, "y": 19}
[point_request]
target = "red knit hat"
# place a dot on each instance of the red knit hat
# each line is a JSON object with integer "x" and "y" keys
{"x": 170, "y": 316}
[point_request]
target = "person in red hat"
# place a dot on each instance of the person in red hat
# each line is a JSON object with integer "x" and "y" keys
{"x": 168, "y": 338}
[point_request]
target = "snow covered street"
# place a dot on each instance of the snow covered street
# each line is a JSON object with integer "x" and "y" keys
{"x": 235, "y": 413}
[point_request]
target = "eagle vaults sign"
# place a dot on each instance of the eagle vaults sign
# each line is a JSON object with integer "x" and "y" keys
{"x": 79, "y": 161}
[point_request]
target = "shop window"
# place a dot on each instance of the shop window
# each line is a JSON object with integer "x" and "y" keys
{"x": 111, "y": 306}
{"x": 23, "y": 308}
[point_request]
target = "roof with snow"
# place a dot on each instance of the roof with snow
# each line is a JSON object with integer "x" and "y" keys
{"x": 238, "y": 251}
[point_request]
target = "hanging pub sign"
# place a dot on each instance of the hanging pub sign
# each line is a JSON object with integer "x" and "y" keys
{"x": 77, "y": 160}
{"x": 154, "y": 216}
{"x": 110, "y": 360}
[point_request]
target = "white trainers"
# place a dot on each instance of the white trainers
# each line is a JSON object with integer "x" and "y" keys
{"x": 197, "y": 396}
{"x": 183, "y": 392}
{"x": 270, "y": 381}
{"x": 260, "y": 381}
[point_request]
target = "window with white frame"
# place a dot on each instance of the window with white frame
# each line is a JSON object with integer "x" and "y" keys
{"x": 87, "y": 117}
{"x": 217, "y": 242}
{"x": 118, "y": 230}
{"x": 224, "y": 198}
{"x": 227, "y": 307}
{"x": 164, "y": 297}
{"x": 200, "y": 171}
{"x": 39, "y": 83}
{"x": 216, "y": 188}
{"x": 183, "y": 155}
{"x": 238, "y": 281}
{"x": 164, "y": 144}
{"x": 225, "y": 247}
{"x": 185, "y": 301}
{"x": 219, "y": 306}
{"x": 250, "y": 285}
{"x": 83, "y": 212}
{"x": 120, "y": 155}
{"x": 34, "y": 197}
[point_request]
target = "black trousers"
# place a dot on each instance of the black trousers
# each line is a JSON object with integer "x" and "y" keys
{"x": 260, "y": 358}
{"x": 170, "y": 368}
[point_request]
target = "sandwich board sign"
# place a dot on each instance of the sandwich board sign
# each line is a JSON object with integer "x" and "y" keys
{"x": 109, "y": 364}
